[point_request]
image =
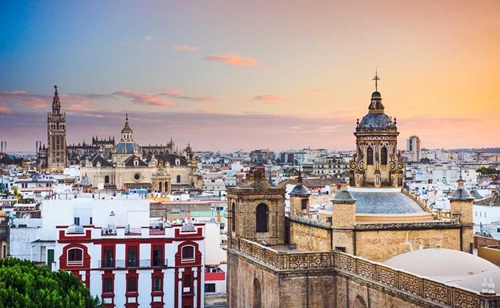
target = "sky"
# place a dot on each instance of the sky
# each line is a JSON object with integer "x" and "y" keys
{"x": 239, "y": 74}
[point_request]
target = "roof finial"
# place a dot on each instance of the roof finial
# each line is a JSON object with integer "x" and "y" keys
{"x": 55, "y": 87}
{"x": 376, "y": 78}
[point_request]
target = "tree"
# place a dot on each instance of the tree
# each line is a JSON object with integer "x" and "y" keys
{"x": 22, "y": 284}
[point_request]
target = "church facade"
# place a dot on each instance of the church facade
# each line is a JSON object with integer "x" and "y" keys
{"x": 276, "y": 259}
{"x": 119, "y": 166}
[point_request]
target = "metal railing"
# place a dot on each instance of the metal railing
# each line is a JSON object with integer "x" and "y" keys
{"x": 142, "y": 263}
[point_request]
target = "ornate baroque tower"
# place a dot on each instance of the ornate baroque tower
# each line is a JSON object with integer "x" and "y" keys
{"x": 56, "y": 135}
{"x": 376, "y": 162}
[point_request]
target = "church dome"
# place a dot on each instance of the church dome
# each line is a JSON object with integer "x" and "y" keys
{"x": 127, "y": 148}
{"x": 440, "y": 262}
{"x": 376, "y": 120}
{"x": 299, "y": 190}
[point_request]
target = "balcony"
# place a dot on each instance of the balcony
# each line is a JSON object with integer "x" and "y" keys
{"x": 143, "y": 263}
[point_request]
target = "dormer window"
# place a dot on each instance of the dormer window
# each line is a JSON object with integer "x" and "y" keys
{"x": 177, "y": 162}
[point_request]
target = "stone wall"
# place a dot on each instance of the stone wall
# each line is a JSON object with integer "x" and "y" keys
{"x": 332, "y": 279}
{"x": 380, "y": 245}
{"x": 311, "y": 238}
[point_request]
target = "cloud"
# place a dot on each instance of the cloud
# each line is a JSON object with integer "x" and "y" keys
{"x": 23, "y": 99}
{"x": 187, "y": 48}
{"x": 233, "y": 59}
{"x": 144, "y": 98}
{"x": 4, "y": 108}
{"x": 148, "y": 38}
{"x": 269, "y": 97}
{"x": 174, "y": 93}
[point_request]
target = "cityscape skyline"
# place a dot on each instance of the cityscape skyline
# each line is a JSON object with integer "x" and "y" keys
{"x": 233, "y": 75}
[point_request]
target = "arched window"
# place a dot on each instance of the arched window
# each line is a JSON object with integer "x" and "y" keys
{"x": 369, "y": 156}
{"x": 75, "y": 256}
{"x": 261, "y": 218}
{"x": 257, "y": 296}
{"x": 383, "y": 153}
{"x": 187, "y": 253}
{"x": 233, "y": 217}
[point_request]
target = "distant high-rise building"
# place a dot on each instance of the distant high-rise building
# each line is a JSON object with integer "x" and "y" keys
{"x": 413, "y": 148}
{"x": 56, "y": 135}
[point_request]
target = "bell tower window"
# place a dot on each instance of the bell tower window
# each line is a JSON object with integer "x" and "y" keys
{"x": 262, "y": 218}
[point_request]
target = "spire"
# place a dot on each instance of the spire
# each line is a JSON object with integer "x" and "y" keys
{"x": 376, "y": 105}
{"x": 56, "y": 103}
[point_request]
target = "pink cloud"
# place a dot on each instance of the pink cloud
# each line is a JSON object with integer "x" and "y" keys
{"x": 174, "y": 93}
{"x": 170, "y": 92}
{"x": 25, "y": 98}
{"x": 4, "y": 108}
{"x": 233, "y": 59}
{"x": 187, "y": 48}
{"x": 144, "y": 98}
{"x": 269, "y": 97}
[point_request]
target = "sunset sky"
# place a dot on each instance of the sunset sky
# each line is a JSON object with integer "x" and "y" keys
{"x": 230, "y": 75}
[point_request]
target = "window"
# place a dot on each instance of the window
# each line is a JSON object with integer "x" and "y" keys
{"x": 108, "y": 257}
{"x": 157, "y": 256}
{"x": 132, "y": 284}
{"x": 210, "y": 287}
{"x": 304, "y": 204}
{"x": 106, "y": 179}
{"x": 369, "y": 156}
{"x": 107, "y": 285}
{"x": 383, "y": 153}
{"x": 233, "y": 216}
{"x": 157, "y": 283}
{"x": 339, "y": 248}
{"x": 187, "y": 253}
{"x": 77, "y": 221}
{"x": 261, "y": 218}
{"x": 178, "y": 179}
{"x": 132, "y": 256}
{"x": 75, "y": 256}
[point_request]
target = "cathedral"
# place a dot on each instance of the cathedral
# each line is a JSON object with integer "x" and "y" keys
{"x": 281, "y": 259}
{"x": 121, "y": 166}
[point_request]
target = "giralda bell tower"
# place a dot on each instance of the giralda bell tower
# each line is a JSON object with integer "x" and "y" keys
{"x": 56, "y": 135}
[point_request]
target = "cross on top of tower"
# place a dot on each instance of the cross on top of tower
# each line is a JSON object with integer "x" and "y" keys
{"x": 376, "y": 78}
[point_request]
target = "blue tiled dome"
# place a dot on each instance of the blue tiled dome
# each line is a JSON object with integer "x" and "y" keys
{"x": 127, "y": 148}
{"x": 376, "y": 120}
